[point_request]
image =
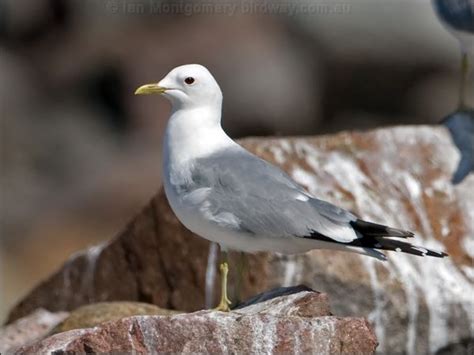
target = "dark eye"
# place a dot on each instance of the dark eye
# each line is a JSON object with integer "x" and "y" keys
{"x": 189, "y": 80}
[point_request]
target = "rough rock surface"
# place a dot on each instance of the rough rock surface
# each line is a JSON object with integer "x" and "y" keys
{"x": 28, "y": 329}
{"x": 298, "y": 323}
{"x": 399, "y": 176}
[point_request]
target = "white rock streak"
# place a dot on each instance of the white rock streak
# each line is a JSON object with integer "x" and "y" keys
{"x": 211, "y": 274}
{"x": 393, "y": 195}
{"x": 91, "y": 255}
{"x": 378, "y": 315}
{"x": 293, "y": 273}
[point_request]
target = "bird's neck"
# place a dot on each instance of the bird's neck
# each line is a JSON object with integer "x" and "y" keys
{"x": 193, "y": 133}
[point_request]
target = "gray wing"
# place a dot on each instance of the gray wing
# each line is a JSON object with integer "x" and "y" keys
{"x": 238, "y": 190}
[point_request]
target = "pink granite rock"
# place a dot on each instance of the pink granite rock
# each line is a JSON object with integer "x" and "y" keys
{"x": 298, "y": 323}
{"x": 398, "y": 175}
{"x": 29, "y": 329}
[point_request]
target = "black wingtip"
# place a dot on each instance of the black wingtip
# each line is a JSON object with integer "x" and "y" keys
{"x": 393, "y": 232}
{"x": 427, "y": 252}
{"x": 399, "y": 246}
{"x": 436, "y": 254}
{"x": 378, "y": 230}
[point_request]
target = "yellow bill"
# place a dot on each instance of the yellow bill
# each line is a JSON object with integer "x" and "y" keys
{"x": 150, "y": 89}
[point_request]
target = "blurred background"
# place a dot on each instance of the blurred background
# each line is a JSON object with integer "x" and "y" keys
{"x": 80, "y": 154}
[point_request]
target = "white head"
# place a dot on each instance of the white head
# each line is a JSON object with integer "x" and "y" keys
{"x": 187, "y": 87}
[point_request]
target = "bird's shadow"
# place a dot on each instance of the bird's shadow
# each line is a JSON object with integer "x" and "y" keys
{"x": 271, "y": 294}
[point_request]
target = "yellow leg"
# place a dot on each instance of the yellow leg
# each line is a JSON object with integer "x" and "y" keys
{"x": 225, "y": 302}
{"x": 463, "y": 81}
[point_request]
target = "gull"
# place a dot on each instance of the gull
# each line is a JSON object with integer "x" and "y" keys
{"x": 458, "y": 17}
{"x": 224, "y": 193}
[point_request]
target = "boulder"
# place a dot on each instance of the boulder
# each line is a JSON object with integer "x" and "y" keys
{"x": 29, "y": 329}
{"x": 297, "y": 322}
{"x": 398, "y": 176}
